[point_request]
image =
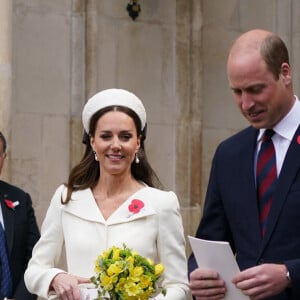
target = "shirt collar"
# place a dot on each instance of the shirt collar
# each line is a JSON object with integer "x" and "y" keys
{"x": 288, "y": 125}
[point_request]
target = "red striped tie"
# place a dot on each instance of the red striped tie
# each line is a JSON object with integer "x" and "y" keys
{"x": 266, "y": 177}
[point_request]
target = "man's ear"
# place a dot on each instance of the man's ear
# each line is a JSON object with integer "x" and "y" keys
{"x": 286, "y": 73}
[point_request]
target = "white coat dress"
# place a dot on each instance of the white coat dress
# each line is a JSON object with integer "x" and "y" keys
{"x": 155, "y": 231}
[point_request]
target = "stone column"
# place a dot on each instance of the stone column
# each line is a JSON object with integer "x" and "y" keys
{"x": 5, "y": 73}
{"x": 91, "y": 74}
{"x": 189, "y": 129}
{"x": 78, "y": 52}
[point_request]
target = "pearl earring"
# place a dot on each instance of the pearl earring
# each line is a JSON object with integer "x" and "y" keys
{"x": 136, "y": 159}
{"x": 95, "y": 154}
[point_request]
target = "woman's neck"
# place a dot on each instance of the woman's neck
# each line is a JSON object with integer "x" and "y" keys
{"x": 110, "y": 193}
{"x": 114, "y": 185}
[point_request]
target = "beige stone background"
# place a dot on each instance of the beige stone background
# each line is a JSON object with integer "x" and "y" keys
{"x": 54, "y": 54}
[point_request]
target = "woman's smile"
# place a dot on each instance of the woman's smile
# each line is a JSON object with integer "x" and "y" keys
{"x": 115, "y": 157}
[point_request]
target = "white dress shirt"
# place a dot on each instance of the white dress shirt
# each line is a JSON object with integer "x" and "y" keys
{"x": 284, "y": 132}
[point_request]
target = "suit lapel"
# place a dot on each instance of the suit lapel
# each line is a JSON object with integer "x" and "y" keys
{"x": 288, "y": 172}
{"x": 248, "y": 186}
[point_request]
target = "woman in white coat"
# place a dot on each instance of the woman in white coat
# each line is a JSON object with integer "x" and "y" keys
{"x": 111, "y": 198}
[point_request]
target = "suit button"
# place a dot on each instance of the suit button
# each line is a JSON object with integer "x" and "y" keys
{"x": 261, "y": 261}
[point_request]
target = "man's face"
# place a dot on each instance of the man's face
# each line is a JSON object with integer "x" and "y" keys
{"x": 262, "y": 99}
{"x": 2, "y": 156}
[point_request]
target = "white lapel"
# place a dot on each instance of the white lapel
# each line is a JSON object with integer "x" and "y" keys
{"x": 138, "y": 205}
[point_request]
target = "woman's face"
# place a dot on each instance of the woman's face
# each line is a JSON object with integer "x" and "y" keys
{"x": 115, "y": 142}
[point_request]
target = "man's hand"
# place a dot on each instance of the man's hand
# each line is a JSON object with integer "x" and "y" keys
{"x": 262, "y": 281}
{"x": 206, "y": 285}
{"x": 66, "y": 286}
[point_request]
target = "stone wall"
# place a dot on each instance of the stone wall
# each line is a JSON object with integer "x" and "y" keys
{"x": 5, "y": 71}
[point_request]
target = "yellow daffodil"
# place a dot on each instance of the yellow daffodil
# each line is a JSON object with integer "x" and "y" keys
{"x": 116, "y": 253}
{"x": 132, "y": 289}
{"x": 137, "y": 271}
{"x": 159, "y": 268}
{"x": 106, "y": 282}
{"x": 114, "y": 269}
{"x": 150, "y": 261}
{"x": 145, "y": 281}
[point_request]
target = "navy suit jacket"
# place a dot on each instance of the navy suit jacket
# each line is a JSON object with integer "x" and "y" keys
{"x": 231, "y": 211}
{"x": 21, "y": 235}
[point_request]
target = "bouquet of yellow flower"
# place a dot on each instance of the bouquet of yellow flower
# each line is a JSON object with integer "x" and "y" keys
{"x": 122, "y": 274}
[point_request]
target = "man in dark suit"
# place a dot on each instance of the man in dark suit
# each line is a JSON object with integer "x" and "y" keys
{"x": 21, "y": 231}
{"x": 260, "y": 77}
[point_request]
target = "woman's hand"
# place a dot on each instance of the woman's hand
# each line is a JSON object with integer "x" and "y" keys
{"x": 66, "y": 286}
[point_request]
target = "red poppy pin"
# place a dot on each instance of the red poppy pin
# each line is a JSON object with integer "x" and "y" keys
{"x": 298, "y": 139}
{"x": 11, "y": 204}
{"x": 135, "y": 206}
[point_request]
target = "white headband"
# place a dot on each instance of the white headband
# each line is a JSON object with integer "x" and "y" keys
{"x": 113, "y": 97}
